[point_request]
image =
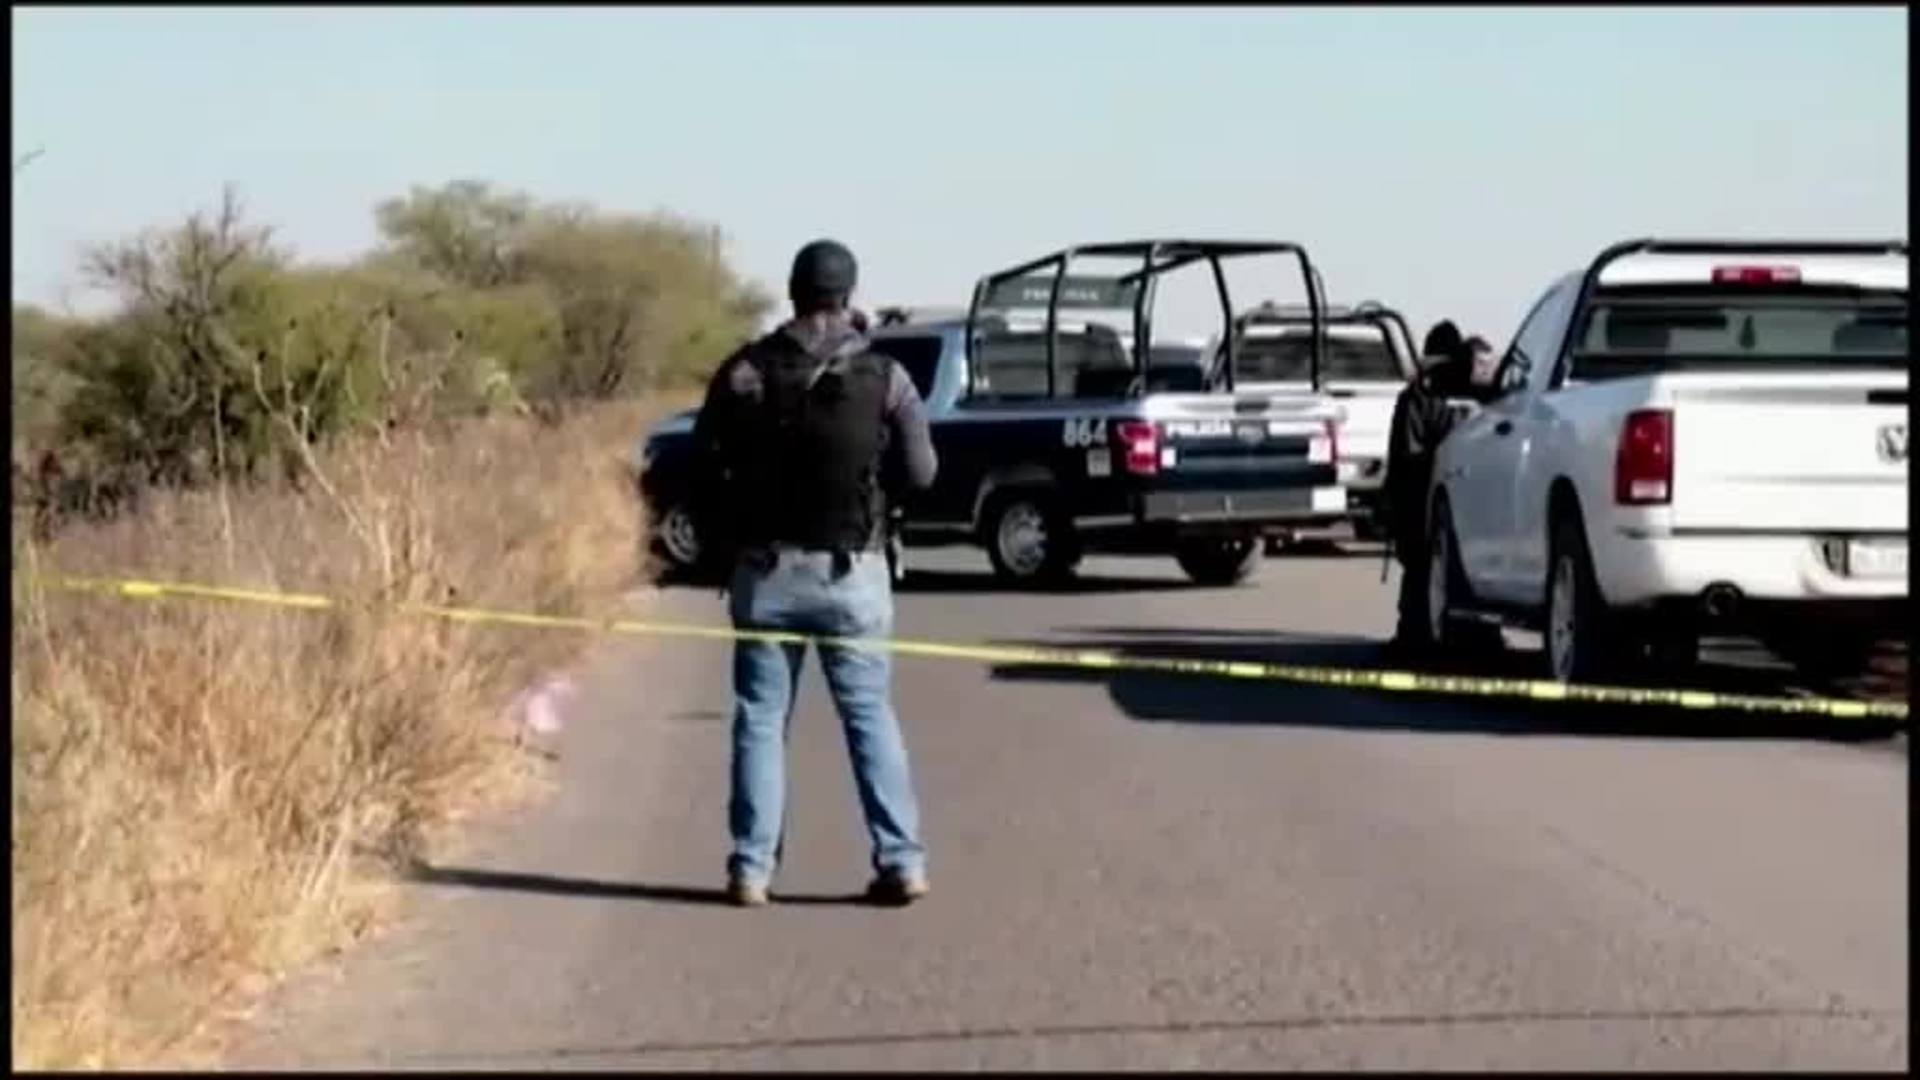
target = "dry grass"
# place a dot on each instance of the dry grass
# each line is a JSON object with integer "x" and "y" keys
{"x": 207, "y": 795}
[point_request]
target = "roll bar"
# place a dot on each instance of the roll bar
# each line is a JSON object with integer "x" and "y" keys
{"x": 1157, "y": 258}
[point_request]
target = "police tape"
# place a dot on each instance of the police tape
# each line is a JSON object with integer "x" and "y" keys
{"x": 1408, "y": 682}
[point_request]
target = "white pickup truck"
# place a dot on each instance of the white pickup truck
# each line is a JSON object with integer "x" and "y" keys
{"x": 1687, "y": 437}
{"x": 1369, "y": 358}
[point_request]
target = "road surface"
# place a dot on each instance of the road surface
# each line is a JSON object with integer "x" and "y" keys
{"x": 1158, "y": 872}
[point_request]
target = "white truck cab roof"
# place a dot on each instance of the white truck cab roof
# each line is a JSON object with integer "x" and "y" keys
{"x": 1886, "y": 271}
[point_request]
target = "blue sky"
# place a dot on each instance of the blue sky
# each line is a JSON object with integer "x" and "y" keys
{"x": 1445, "y": 161}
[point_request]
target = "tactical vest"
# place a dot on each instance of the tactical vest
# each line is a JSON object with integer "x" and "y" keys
{"x": 808, "y": 468}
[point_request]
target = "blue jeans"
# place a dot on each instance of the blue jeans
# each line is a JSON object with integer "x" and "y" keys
{"x": 800, "y": 593}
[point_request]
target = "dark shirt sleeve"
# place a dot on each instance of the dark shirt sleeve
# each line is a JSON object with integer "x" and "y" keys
{"x": 910, "y": 439}
{"x": 715, "y": 428}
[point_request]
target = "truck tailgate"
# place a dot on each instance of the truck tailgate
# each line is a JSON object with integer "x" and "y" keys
{"x": 1365, "y": 407}
{"x": 1812, "y": 452}
{"x": 1244, "y": 441}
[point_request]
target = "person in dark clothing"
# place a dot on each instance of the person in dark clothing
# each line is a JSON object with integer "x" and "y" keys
{"x": 806, "y": 437}
{"x": 1422, "y": 417}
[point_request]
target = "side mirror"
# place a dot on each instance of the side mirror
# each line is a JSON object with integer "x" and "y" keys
{"x": 1511, "y": 375}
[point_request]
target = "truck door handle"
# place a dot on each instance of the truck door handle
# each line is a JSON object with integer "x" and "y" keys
{"x": 1503, "y": 428}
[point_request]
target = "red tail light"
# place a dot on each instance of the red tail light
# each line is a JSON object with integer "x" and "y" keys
{"x": 1755, "y": 275}
{"x": 1643, "y": 466}
{"x": 1139, "y": 446}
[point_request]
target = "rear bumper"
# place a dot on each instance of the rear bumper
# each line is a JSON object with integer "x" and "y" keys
{"x": 1639, "y": 570}
{"x": 1241, "y": 508}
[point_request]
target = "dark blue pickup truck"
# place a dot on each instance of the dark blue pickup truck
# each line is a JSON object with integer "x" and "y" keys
{"x": 1060, "y": 432}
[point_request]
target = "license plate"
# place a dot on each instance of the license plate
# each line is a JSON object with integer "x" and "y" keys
{"x": 1877, "y": 558}
{"x": 1250, "y": 434}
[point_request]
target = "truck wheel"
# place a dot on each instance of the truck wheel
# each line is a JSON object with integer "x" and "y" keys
{"x": 1027, "y": 538}
{"x": 1580, "y": 646}
{"x": 1217, "y": 561}
{"x": 1447, "y": 633}
{"x": 676, "y": 538}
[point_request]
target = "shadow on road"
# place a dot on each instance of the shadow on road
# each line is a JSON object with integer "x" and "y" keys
{"x": 985, "y": 583}
{"x": 1167, "y": 697}
{"x": 981, "y": 583}
{"x": 548, "y": 885}
{"x": 1318, "y": 547}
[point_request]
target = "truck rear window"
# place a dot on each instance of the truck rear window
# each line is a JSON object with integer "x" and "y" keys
{"x": 1351, "y": 356}
{"x": 1627, "y": 331}
{"x": 919, "y": 354}
{"x": 1093, "y": 363}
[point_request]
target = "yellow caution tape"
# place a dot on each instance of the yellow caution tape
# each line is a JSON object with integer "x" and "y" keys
{"x": 1349, "y": 678}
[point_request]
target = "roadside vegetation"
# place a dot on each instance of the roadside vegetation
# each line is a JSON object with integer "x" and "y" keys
{"x": 207, "y": 795}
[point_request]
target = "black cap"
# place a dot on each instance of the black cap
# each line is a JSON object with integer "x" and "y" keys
{"x": 823, "y": 270}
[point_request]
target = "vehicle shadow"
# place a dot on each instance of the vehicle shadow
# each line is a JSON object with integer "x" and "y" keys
{"x": 1173, "y": 697}
{"x": 1319, "y": 547}
{"x": 934, "y": 582}
{"x": 968, "y": 582}
{"x": 421, "y": 873}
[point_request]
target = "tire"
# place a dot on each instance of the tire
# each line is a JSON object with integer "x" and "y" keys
{"x": 1219, "y": 561}
{"x": 676, "y": 539}
{"x": 1446, "y": 633}
{"x": 1581, "y": 643}
{"x": 1028, "y": 539}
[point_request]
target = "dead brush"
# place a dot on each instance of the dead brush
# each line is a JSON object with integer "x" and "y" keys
{"x": 205, "y": 795}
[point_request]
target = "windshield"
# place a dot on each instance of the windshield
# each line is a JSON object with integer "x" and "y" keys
{"x": 1177, "y": 356}
{"x": 1354, "y": 353}
{"x": 1768, "y": 327}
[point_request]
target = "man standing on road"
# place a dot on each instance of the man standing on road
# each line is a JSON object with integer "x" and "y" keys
{"x": 1421, "y": 418}
{"x": 804, "y": 436}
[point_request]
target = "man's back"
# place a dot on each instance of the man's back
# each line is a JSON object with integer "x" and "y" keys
{"x": 806, "y": 433}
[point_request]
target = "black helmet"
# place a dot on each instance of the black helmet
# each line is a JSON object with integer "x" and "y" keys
{"x": 824, "y": 274}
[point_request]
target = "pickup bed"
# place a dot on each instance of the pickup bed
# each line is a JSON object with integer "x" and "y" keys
{"x": 1057, "y": 436}
{"x": 1689, "y": 437}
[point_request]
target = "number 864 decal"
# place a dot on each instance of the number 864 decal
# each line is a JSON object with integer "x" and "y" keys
{"x": 1084, "y": 431}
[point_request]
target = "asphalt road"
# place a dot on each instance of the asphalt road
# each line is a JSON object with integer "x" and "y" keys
{"x": 1160, "y": 872}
